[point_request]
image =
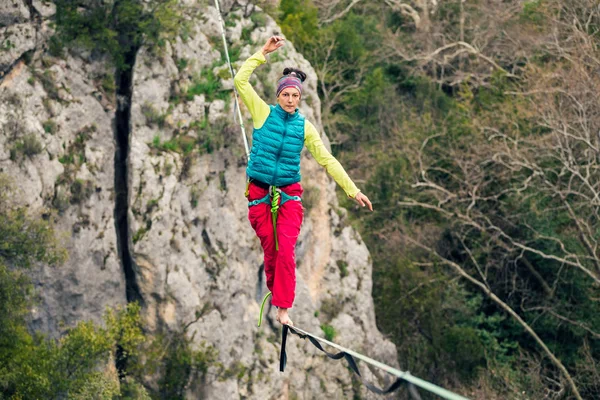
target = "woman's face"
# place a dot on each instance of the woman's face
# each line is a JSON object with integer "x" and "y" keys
{"x": 288, "y": 99}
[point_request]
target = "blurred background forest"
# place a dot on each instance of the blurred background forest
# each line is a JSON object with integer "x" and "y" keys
{"x": 473, "y": 126}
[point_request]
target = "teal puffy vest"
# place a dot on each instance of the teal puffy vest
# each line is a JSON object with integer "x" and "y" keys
{"x": 276, "y": 148}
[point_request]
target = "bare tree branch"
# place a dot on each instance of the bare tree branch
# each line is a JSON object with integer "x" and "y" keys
{"x": 506, "y": 308}
{"x": 407, "y": 10}
{"x": 340, "y": 14}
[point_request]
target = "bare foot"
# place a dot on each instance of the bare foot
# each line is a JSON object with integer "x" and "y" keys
{"x": 283, "y": 317}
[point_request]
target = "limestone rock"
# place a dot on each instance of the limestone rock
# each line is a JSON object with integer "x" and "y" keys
{"x": 15, "y": 40}
{"x": 46, "y": 8}
{"x": 13, "y": 12}
{"x": 78, "y": 150}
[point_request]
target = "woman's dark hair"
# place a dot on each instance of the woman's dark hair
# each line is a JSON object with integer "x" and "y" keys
{"x": 294, "y": 71}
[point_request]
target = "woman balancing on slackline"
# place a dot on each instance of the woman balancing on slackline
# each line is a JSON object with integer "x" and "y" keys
{"x": 280, "y": 132}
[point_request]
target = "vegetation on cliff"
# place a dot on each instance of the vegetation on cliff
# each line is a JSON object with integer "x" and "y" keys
{"x": 112, "y": 360}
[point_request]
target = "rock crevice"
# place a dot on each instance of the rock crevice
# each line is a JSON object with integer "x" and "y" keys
{"x": 124, "y": 81}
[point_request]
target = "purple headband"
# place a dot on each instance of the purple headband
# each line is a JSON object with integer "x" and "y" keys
{"x": 288, "y": 81}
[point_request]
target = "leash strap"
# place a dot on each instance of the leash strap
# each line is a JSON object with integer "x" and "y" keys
{"x": 337, "y": 356}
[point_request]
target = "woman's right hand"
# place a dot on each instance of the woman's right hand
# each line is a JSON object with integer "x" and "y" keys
{"x": 273, "y": 44}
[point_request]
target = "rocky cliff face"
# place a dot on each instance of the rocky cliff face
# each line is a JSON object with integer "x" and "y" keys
{"x": 148, "y": 185}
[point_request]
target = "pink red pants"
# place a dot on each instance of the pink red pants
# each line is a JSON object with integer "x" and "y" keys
{"x": 280, "y": 266}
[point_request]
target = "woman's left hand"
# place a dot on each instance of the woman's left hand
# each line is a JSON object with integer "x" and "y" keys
{"x": 363, "y": 200}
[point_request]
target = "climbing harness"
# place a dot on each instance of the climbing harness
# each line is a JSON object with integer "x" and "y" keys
{"x": 272, "y": 198}
{"x": 262, "y": 307}
{"x": 237, "y": 102}
{"x": 349, "y": 355}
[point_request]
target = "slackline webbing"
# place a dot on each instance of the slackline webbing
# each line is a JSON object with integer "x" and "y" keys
{"x": 349, "y": 355}
{"x": 237, "y": 102}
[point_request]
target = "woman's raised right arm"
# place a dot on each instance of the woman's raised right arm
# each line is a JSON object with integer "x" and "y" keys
{"x": 259, "y": 110}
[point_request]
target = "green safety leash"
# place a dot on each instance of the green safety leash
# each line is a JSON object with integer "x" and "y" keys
{"x": 274, "y": 209}
{"x": 262, "y": 306}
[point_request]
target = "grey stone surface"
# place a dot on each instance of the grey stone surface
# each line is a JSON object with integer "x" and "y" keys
{"x": 13, "y": 12}
{"x": 15, "y": 40}
{"x": 91, "y": 279}
{"x": 45, "y": 8}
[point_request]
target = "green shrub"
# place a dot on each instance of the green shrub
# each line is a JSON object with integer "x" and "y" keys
{"x": 179, "y": 144}
{"x": 246, "y": 36}
{"x": 179, "y": 363}
{"x": 55, "y": 46}
{"x": 234, "y": 53}
{"x": 116, "y": 28}
{"x": 141, "y": 232}
{"x": 7, "y": 45}
{"x": 134, "y": 390}
{"x": 464, "y": 349}
{"x": 50, "y": 127}
{"x": 151, "y": 205}
{"x": 185, "y": 31}
{"x": 208, "y": 84}
{"x": 156, "y": 142}
{"x": 182, "y": 64}
{"x": 331, "y": 307}
{"x": 328, "y": 331}
{"x": 299, "y": 20}
{"x": 78, "y": 364}
{"x": 211, "y": 137}
{"x": 194, "y": 196}
{"x": 533, "y": 12}
{"x": 168, "y": 169}
{"x": 48, "y": 81}
{"x": 237, "y": 370}
{"x": 29, "y": 145}
{"x": 61, "y": 200}
{"x": 66, "y": 159}
{"x": 81, "y": 190}
{"x": 343, "y": 266}
{"x": 259, "y": 19}
{"x": 170, "y": 145}
{"x": 108, "y": 84}
{"x": 153, "y": 117}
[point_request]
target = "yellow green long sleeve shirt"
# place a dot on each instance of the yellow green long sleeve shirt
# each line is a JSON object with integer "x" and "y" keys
{"x": 260, "y": 110}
